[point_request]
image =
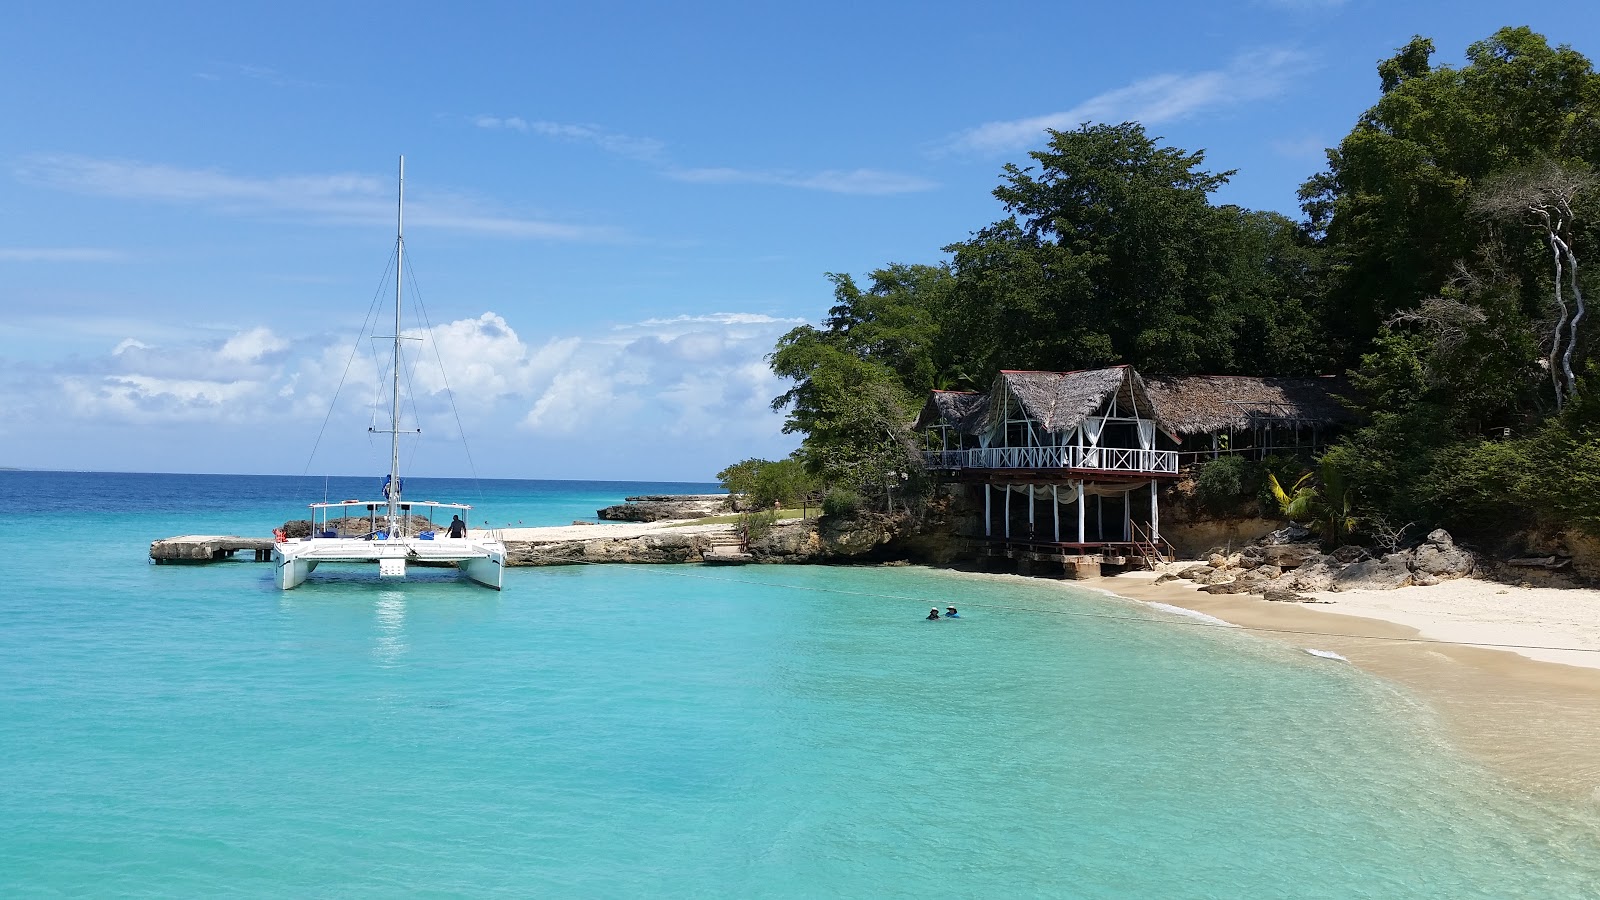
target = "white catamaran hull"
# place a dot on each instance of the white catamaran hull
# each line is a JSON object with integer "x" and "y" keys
{"x": 482, "y": 560}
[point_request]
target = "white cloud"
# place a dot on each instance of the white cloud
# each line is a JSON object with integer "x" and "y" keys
{"x": 641, "y": 148}
{"x": 1151, "y": 101}
{"x": 870, "y": 182}
{"x": 698, "y": 381}
{"x": 251, "y": 346}
{"x": 856, "y": 181}
{"x": 342, "y": 198}
{"x": 61, "y": 254}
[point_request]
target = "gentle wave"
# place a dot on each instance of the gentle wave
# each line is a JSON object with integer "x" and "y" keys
{"x": 1326, "y": 654}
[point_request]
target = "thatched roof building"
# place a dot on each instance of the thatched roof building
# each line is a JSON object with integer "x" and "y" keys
{"x": 1057, "y": 401}
{"x": 1181, "y": 406}
{"x": 1208, "y": 404}
{"x": 962, "y": 410}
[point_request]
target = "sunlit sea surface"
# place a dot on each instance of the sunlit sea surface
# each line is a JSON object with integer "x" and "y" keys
{"x": 188, "y": 731}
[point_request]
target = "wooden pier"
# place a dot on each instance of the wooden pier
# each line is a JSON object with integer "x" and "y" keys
{"x": 203, "y": 548}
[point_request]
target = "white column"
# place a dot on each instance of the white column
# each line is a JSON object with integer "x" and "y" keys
{"x": 1127, "y": 515}
{"x": 1080, "y": 511}
{"x": 1008, "y": 510}
{"x": 988, "y": 513}
{"x": 1100, "y": 516}
{"x": 1055, "y": 508}
{"x": 1031, "y": 532}
{"x": 1155, "y": 515}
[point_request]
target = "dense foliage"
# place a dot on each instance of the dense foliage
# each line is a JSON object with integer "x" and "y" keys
{"x": 1438, "y": 262}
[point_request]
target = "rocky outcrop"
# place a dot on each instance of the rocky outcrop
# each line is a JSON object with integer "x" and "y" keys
{"x": 1313, "y": 575}
{"x": 1284, "y": 563}
{"x": 1288, "y": 556}
{"x": 862, "y": 539}
{"x": 1384, "y": 574}
{"x": 656, "y": 547}
{"x": 659, "y": 507}
{"x": 1191, "y": 537}
{"x": 1439, "y": 559}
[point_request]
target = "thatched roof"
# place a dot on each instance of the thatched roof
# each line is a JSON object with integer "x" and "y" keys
{"x": 1058, "y": 401}
{"x": 1203, "y": 404}
{"x": 954, "y": 408}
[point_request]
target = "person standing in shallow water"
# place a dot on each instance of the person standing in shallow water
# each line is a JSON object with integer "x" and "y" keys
{"x": 950, "y": 613}
{"x": 458, "y": 528}
{"x": 933, "y": 614}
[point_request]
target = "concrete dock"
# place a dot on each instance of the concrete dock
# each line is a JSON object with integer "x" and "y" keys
{"x": 190, "y": 548}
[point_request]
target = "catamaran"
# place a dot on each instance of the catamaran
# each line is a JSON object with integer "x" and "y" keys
{"x": 392, "y": 532}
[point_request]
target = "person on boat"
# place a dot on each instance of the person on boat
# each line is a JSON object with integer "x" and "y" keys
{"x": 933, "y": 614}
{"x": 950, "y": 613}
{"x": 458, "y": 528}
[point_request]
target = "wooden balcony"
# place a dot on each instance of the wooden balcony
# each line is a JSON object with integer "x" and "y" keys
{"x": 1122, "y": 461}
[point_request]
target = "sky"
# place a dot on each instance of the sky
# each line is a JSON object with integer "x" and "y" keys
{"x": 613, "y": 210}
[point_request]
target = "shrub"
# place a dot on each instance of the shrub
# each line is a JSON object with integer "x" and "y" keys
{"x": 1219, "y": 484}
{"x": 841, "y": 503}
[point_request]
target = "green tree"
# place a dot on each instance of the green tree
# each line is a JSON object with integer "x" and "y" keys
{"x": 1393, "y": 203}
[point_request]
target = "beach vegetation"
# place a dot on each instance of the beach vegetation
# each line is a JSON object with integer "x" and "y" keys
{"x": 1436, "y": 263}
{"x": 841, "y": 503}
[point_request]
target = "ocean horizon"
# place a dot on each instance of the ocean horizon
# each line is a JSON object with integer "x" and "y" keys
{"x": 774, "y": 731}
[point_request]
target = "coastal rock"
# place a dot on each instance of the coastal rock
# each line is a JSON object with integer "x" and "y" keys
{"x": 1289, "y": 534}
{"x": 1283, "y": 595}
{"x": 1195, "y": 573}
{"x": 1253, "y": 582}
{"x": 1393, "y": 571}
{"x": 1439, "y": 558}
{"x": 1315, "y": 575}
{"x": 1223, "y": 560}
{"x": 1166, "y": 577}
{"x": 1224, "y": 587}
{"x": 658, "y": 507}
{"x": 1267, "y": 571}
{"x": 1350, "y": 553}
{"x": 1289, "y": 556}
{"x": 1252, "y": 557}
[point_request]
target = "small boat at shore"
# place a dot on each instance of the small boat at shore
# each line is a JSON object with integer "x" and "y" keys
{"x": 392, "y": 532}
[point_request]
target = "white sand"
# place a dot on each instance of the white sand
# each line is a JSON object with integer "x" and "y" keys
{"x": 1465, "y": 610}
{"x": 1486, "y": 612}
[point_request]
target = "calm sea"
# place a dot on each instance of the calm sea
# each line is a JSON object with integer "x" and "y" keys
{"x": 188, "y": 731}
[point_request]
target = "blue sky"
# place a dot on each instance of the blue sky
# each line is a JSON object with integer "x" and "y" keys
{"x": 613, "y": 209}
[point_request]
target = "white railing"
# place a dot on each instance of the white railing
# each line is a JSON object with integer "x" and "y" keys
{"x": 1106, "y": 459}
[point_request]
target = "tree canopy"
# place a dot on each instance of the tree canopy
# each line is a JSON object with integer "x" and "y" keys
{"x": 1439, "y": 259}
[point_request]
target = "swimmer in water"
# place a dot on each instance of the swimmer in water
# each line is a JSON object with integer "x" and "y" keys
{"x": 950, "y": 613}
{"x": 933, "y": 614}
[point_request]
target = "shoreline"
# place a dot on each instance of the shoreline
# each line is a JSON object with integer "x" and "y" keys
{"x": 1531, "y": 715}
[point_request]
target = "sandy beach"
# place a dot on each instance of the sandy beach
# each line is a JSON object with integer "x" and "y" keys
{"x": 1531, "y": 713}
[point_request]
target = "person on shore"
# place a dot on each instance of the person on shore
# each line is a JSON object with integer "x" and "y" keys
{"x": 458, "y": 528}
{"x": 950, "y": 613}
{"x": 933, "y": 614}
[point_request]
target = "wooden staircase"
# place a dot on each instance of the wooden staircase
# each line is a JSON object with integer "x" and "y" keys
{"x": 1151, "y": 548}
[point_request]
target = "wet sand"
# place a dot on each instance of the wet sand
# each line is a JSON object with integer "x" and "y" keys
{"x": 1535, "y": 721}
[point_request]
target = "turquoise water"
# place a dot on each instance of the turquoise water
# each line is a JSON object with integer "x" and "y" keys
{"x": 682, "y": 731}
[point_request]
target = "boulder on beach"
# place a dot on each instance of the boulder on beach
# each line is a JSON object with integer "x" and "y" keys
{"x": 1393, "y": 571}
{"x": 1439, "y": 559}
{"x": 1289, "y": 556}
{"x": 1315, "y": 574}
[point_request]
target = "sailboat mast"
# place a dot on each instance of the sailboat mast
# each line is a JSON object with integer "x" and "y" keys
{"x": 394, "y": 414}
